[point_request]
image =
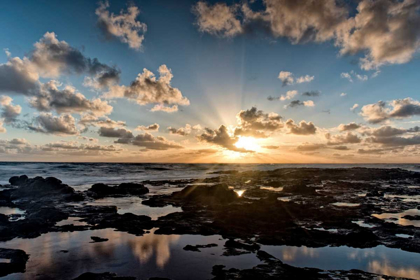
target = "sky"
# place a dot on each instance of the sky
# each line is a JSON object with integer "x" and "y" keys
{"x": 252, "y": 81}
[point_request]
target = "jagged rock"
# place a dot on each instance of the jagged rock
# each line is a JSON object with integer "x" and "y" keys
{"x": 98, "y": 239}
{"x": 217, "y": 194}
{"x": 18, "y": 259}
{"x": 102, "y": 190}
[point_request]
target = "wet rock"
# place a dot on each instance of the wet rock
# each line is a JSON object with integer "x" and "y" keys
{"x": 97, "y": 239}
{"x": 300, "y": 189}
{"x": 217, "y": 194}
{"x": 18, "y": 180}
{"x": 102, "y": 276}
{"x": 197, "y": 248}
{"x": 102, "y": 190}
{"x": 234, "y": 248}
{"x": 412, "y": 218}
{"x": 17, "y": 263}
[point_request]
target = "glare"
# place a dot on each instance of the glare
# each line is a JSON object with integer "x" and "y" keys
{"x": 248, "y": 143}
{"x": 239, "y": 192}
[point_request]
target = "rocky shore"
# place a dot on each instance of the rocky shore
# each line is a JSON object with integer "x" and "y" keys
{"x": 298, "y": 207}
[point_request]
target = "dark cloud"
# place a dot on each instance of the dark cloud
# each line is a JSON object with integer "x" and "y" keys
{"x": 18, "y": 76}
{"x": 149, "y": 142}
{"x": 116, "y": 133}
{"x": 348, "y": 138}
{"x": 183, "y": 131}
{"x": 9, "y": 112}
{"x": 256, "y": 123}
{"x": 221, "y": 138}
{"x": 298, "y": 103}
{"x": 311, "y": 93}
{"x": 303, "y": 128}
{"x": 395, "y": 109}
{"x": 60, "y": 125}
{"x": 67, "y": 100}
{"x": 350, "y": 126}
{"x": 152, "y": 127}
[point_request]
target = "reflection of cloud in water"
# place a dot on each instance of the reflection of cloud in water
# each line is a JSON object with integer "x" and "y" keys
{"x": 387, "y": 269}
{"x": 291, "y": 253}
{"x": 144, "y": 247}
{"x": 361, "y": 255}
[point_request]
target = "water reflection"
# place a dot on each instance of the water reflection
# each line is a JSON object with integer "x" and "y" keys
{"x": 150, "y": 255}
{"x": 150, "y": 244}
{"x": 397, "y": 218}
{"x": 381, "y": 260}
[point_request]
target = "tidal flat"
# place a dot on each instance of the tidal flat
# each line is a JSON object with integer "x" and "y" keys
{"x": 284, "y": 223}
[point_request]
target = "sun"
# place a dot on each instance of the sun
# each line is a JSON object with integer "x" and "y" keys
{"x": 248, "y": 143}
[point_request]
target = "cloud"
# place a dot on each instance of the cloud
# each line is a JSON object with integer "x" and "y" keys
{"x": 350, "y": 126}
{"x": 2, "y": 129}
{"x": 396, "y": 141}
{"x": 287, "y": 78}
{"x": 218, "y": 19}
{"x": 163, "y": 108}
{"x": 289, "y": 95}
{"x": 92, "y": 120}
{"x": 310, "y": 147}
{"x": 123, "y": 26}
{"x": 311, "y": 93}
{"x": 182, "y": 131}
{"x": 354, "y": 107}
{"x": 152, "y": 127}
{"x": 256, "y": 123}
{"x": 67, "y": 100}
{"x": 63, "y": 125}
{"x": 116, "y": 133}
{"x": 301, "y": 21}
{"x": 349, "y": 76}
{"x": 52, "y": 57}
{"x": 343, "y": 94}
{"x": 149, "y": 142}
{"x": 348, "y": 138}
{"x": 395, "y": 109}
{"x": 71, "y": 146}
{"x": 221, "y": 138}
{"x": 297, "y": 103}
{"x": 19, "y": 76}
{"x": 304, "y": 128}
{"x": 9, "y": 112}
{"x": 146, "y": 89}
{"x": 387, "y": 31}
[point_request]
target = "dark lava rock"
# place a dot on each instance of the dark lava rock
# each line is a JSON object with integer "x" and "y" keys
{"x": 300, "y": 189}
{"x": 235, "y": 248}
{"x": 412, "y": 218}
{"x": 197, "y": 248}
{"x": 102, "y": 276}
{"x": 217, "y": 194}
{"x": 18, "y": 259}
{"x": 39, "y": 187}
{"x": 102, "y": 190}
{"x": 18, "y": 180}
{"x": 98, "y": 239}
